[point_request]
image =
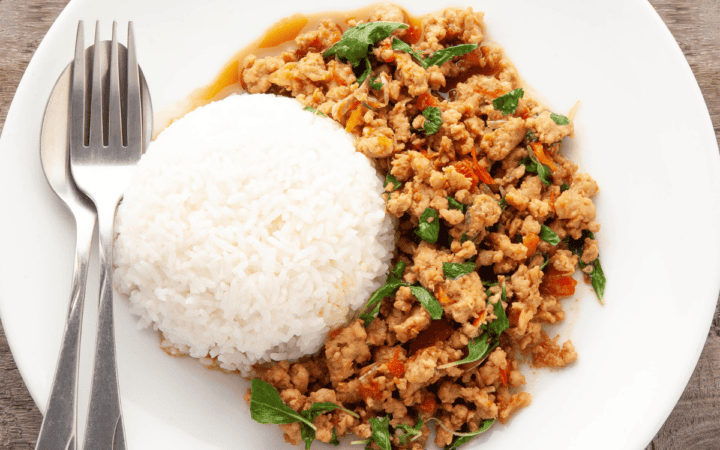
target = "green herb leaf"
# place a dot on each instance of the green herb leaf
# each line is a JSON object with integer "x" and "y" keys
{"x": 390, "y": 179}
{"x": 433, "y": 120}
{"x": 564, "y": 187}
{"x": 501, "y": 323}
{"x": 559, "y": 119}
{"x": 334, "y": 439}
{"x": 464, "y": 238}
{"x": 397, "y": 271}
{"x": 446, "y": 54}
{"x": 392, "y": 284}
{"x": 365, "y": 73}
{"x": 267, "y": 407}
{"x": 597, "y": 279}
{"x": 397, "y": 44}
{"x": 314, "y": 111}
{"x": 548, "y": 235}
{"x": 597, "y": 276}
{"x": 460, "y": 440}
{"x": 375, "y": 84}
{"x": 376, "y": 300}
{"x": 454, "y": 271}
{"x": 454, "y": 204}
{"x": 355, "y": 42}
{"x": 429, "y": 227}
{"x": 530, "y": 136}
{"x": 381, "y": 432}
{"x": 428, "y": 301}
{"x": 508, "y": 103}
{"x": 503, "y": 204}
{"x": 439, "y": 57}
{"x": 478, "y": 348}
{"x": 414, "y": 432}
{"x": 532, "y": 165}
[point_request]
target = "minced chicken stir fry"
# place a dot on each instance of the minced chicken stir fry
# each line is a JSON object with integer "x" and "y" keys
{"x": 493, "y": 222}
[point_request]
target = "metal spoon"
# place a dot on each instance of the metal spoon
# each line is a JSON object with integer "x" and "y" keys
{"x": 59, "y": 426}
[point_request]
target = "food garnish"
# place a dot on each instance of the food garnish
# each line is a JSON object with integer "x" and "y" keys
{"x": 548, "y": 235}
{"x": 508, "y": 103}
{"x": 433, "y": 120}
{"x": 429, "y": 227}
{"x": 314, "y": 111}
{"x": 454, "y": 271}
{"x": 266, "y": 406}
{"x": 532, "y": 165}
{"x": 559, "y": 119}
{"x": 463, "y": 438}
{"x": 597, "y": 276}
{"x": 393, "y": 282}
{"x": 436, "y": 59}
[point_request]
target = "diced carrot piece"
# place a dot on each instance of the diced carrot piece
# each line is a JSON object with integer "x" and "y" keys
{"x": 425, "y": 100}
{"x": 557, "y": 284}
{"x": 354, "y": 119}
{"x": 531, "y": 241}
{"x": 539, "y": 151}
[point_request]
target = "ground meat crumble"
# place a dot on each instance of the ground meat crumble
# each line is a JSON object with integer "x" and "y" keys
{"x": 394, "y": 366}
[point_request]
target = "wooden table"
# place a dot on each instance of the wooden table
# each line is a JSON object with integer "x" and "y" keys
{"x": 694, "y": 423}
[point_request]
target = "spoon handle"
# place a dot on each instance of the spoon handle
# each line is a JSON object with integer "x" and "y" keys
{"x": 105, "y": 429}
{"x": 59, "y": 427}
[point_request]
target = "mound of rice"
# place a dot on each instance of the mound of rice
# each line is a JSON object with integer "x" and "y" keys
{"x": 251, "y": 230}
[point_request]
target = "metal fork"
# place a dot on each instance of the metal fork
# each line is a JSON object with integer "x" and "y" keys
{"x": 102, "y": 165}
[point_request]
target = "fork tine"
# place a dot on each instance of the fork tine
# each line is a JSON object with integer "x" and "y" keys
{"x": 114, "y": 113}
{"x": 134, "y": 108}
{"x": 77, "y": 95}
{"x": 96, "y": 104}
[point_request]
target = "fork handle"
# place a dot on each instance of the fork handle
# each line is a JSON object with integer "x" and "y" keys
{"x": 59, "y": 427}
{"x": 105, "y": 428}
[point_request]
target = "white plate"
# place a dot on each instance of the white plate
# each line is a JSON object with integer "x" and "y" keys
{"x": 643, "y": 132}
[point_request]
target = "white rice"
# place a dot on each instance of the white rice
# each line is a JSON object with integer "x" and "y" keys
{"x": 251, "y": 230}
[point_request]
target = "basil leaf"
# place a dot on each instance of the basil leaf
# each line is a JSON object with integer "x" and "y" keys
{"x": 390, "y": 179}
{"x": 397, "y": 44}
{"x": 454, "y": 204}
{"x": 429, "y": 227}
{"x": 439, "y": 57}
{"x": 397, "y": 271}
{"x": 306, "y": 433}
{"x": 392, "y": 284}
{"x": 548, "y": 235}
{"x": 433, "y": 120}
{"x": 314, "y": 111}
{"x": 532, "y": 165}
{"x": 374, "y": 84}
{"x": 381, "y": 432}
{"x": 502, "y": 203}
{"x": 530, "y": 136}
{"x": 478, "y": 348}
{"x": 365, "y": 72}
{"x": 414, "y": 431}
{"x": 464, "y": 238}
{"x": 334, "y": 439}
{"x": 508, "y": 103}
{"x": 429, "y": 302}
{"x": 501, "y": 323}
{"x": 597, "y": 280}
{"x": 484, "y": 426}
{"x": 267, "y": 407}
{"x": 354, "y": 44}
{"x": 376, "y": 300}
{"x": 564, "y": 187}
{"x": 559, "y": 119}
{"x": 446, "y": 54}
{"x": 454, "y": 271}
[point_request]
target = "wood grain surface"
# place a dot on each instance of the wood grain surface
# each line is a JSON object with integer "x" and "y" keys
{"x": 694, "y": 423}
